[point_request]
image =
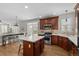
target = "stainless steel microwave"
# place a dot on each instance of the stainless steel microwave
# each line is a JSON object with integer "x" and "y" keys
{"x": 47, "y": 27}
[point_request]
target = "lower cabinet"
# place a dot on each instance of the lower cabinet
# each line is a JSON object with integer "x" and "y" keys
{"x": 33, "y": 48}
{"x": 73, "y": 50}
{"x": 28, "y": 48}
{"x": 37, "y": 51}
{"x": 60, "y": 41}
{"x": 64, "y": 43}
{"x": 42, "y": 45}
{"x": 54, "y": 40}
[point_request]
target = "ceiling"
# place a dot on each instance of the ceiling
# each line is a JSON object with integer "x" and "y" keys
{"x": 9, "y": 11}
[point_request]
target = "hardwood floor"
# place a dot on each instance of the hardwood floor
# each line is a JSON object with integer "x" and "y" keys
{"x": 54, "y": 51}
{"x": 12, "y": 50}
{"x": 9, "y": 50}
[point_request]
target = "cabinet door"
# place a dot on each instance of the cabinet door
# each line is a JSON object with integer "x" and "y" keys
{"x": 54, "y": 22}
{"x": 42, "y": 22}
{"x": 45, "y": 21}
{"x": 37, "y": 48}
{"x": 60, "y": 41}
{"x": 49, "y": 20}
{"x": 27, "y": 48}
{"x": 69, "y": 45}
{"x": 41, "y": 45}
{"x": 54, "y": 39}
{"x": 65, "y": 43}
{"x": 74, "y": 50}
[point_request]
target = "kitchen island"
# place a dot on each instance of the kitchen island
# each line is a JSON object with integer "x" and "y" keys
{"x": 33, "y": 45}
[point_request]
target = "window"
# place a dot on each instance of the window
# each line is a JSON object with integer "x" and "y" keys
{"x": 15, "y": 29}
{"x": 32, "y": 28}
{"x": 63, "y": 25}
{"x": 4, "y": 28}
{"x": 66, "y": 26}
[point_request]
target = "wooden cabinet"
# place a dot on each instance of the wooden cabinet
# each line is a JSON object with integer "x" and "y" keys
{"x": 42, "y": 22}
{"x": 42, "y": 45}
{"x": 28, "y": 49}
{"x": 52, "y": 20}
{"x": 64, "y": 43}
{"x": 54, "y": 40}
{"x": 73, "y": 50}
{"x": 60, "y": 41}
{"x": 49, "y": 20}
{"x": 37, "y": 48}
{"x": 33, "y": 48}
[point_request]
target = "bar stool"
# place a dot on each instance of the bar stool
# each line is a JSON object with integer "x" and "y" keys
{"x": 5, "y": 38}
{"x": 20, "y": 40}
{"x": 20, "y": 46}
{"x": 10, "y": 39}
{"x": 15, "y": 37}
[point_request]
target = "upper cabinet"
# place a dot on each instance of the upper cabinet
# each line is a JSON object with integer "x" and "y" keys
{"x": 50, "y": 22}
{"x": 54, "y": 22}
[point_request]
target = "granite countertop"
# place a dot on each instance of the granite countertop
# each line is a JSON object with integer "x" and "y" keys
{"x": 33, "y": 38}
{"x": 72, "y": 38}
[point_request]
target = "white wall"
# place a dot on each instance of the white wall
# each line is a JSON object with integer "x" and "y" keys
{"x": 63, "y": 16}
{"x": 73, "y": 38}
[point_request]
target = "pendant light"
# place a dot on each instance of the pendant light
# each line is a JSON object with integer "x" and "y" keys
{"x": 66, "y": 14}
{"x": 16, "y": 22}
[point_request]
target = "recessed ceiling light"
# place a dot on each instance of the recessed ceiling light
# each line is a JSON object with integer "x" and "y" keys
{"x": 26, "y": 6}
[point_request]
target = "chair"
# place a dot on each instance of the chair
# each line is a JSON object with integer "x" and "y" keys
{"x": 20, "y": 40}
{"x": 10, "y": 38}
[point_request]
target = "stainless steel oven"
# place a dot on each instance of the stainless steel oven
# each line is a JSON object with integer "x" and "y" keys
{"x": 47, "y": 37}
